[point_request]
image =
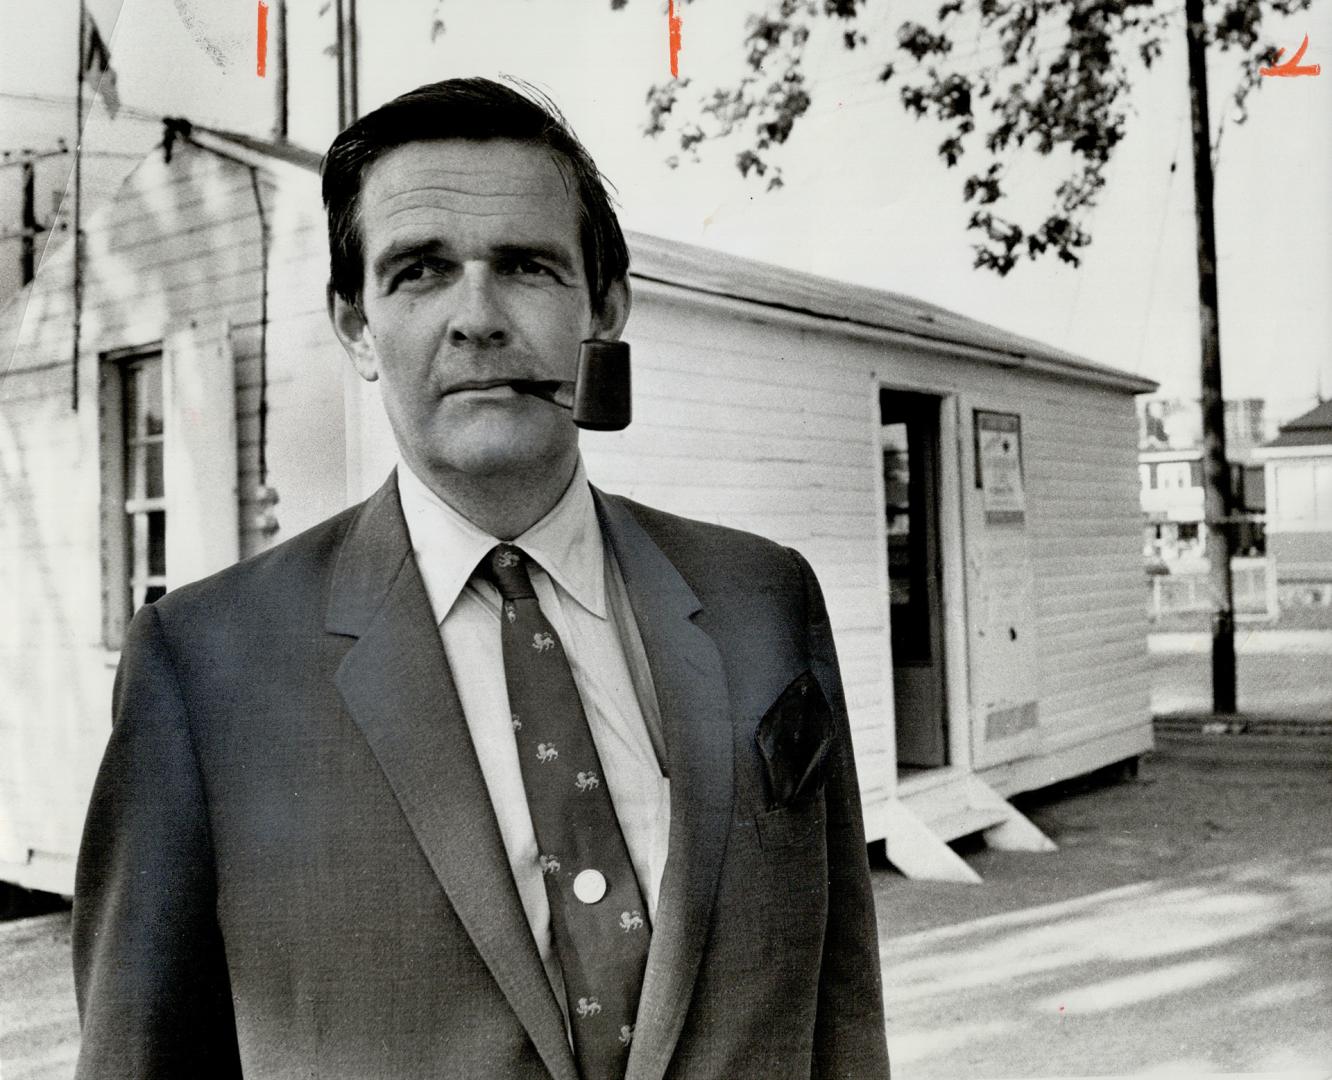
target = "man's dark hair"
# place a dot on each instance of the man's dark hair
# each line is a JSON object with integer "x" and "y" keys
{"x": 474, "y": 109}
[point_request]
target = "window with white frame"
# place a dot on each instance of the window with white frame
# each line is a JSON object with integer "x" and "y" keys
{"x": 1294, "y": 495}
{"x": 1174, "y": 475}
{"x": 1303, "y": 493}
{"x": 134, "y": 507}
{"x": 1322, "y": 471}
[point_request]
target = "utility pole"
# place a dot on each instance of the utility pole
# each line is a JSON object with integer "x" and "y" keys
{"x": 1216, "y": 469}
{"x": 78, "y": 216}
{"x": 353, "y": 64}
{"x": 340, "y": 50}
{"x": 280, "y": 127}
{"x": 29, "y": 227}
{"x": 28, "y": 224}
{"x": 347, "y": 47}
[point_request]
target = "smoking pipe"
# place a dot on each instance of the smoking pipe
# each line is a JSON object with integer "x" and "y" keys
{"x": 600, "y": 394}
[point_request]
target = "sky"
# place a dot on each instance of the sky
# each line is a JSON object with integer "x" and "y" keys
{"x": 866, "y": 198}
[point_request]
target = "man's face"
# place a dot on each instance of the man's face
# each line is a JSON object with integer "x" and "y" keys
{"x": 474, "y": 277}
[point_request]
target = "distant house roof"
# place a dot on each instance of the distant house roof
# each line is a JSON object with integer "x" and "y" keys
{"x": 715, "y": 273}
{"x": 1314, "y": 428}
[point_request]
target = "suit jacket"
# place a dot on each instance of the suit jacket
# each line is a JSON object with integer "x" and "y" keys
{"x": 290, "y": 866}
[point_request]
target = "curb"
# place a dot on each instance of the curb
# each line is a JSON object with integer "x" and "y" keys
{"x": 1207, "y": 723}
{"x": 1248, "y": 642}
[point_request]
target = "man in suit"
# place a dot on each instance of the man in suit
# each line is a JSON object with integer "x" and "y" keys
{"x": 318, "y": 844}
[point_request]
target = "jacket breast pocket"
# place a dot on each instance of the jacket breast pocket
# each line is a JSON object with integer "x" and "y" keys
{"x": 793, "y": 823}
{"x": 787, "y": 890}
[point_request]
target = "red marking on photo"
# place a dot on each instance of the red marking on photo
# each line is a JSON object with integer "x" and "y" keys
{"x": 262, "y": 65}
{"x": 673, "y": 26}
{"x": 1292, "y": 67}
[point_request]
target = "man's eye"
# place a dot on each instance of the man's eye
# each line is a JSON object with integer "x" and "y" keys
{"x": 416, "y": 271}
{"x": 524, "y": 267}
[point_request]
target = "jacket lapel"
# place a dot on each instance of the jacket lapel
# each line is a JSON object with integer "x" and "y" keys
{"x": 396, "y": 684}
{"x": 691, "y": 691}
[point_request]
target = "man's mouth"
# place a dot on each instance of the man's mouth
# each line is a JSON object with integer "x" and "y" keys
{"x": 555, "y": 391}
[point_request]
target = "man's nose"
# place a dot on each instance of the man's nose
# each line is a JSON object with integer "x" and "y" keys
{"x": 477, "y": 318}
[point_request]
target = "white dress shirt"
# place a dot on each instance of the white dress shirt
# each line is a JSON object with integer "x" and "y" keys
{"x": 581, "y": 592}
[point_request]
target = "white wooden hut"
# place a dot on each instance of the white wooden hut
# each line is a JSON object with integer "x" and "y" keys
{"x": 967, "y": 497}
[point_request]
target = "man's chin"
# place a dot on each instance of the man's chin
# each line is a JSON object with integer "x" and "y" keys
{"x": 500, "y": 458}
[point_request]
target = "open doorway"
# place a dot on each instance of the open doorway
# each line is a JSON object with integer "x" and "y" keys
{"x": 910, "y": 442}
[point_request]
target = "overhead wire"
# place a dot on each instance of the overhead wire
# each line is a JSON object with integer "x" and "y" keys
{"x": 56, "y": 100}
{"x": 1160, "y": 243}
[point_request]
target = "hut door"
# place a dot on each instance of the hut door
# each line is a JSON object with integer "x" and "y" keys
{"x": 910, "y": 441}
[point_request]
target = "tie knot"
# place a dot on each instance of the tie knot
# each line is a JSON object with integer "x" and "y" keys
{"x": 506, "y": 566}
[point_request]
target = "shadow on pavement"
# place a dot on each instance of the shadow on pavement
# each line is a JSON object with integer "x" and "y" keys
{"x": 1184, "y": 924}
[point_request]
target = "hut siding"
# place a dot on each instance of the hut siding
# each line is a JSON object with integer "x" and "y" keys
{"x": 180, "y": 244}
{"x": 774, "y": 429}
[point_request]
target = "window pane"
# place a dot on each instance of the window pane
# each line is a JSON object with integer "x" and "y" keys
{"x": 130, "y": 401}
{"x": 138, "y": 548}
{"x": 157, "y": 542}
{"x": 1322, "y": 492}
{"x": 1294, "y": 492}
{"x": 1174, "y": 475}
{"x": 134, "y": 472}
{"x": 152, "y": 470}
{"x": 134, "y": 552}
{"x": 149, "y": 405}
{"x": 144, "y": 471}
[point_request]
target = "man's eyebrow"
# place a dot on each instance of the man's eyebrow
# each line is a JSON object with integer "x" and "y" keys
{"x": 408, "y": 249}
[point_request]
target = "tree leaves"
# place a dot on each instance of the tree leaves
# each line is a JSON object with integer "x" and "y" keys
{"x": 1054, "y": 76}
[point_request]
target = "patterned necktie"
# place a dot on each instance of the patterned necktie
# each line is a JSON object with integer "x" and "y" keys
{"x": 598, "y": 919}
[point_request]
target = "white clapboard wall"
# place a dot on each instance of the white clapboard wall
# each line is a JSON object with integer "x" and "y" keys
{"x": 174, "y": 259}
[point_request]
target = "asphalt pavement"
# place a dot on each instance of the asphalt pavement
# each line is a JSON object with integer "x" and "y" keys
{"x": 1292, "y": 683}
{"x": 1183, "y": 928}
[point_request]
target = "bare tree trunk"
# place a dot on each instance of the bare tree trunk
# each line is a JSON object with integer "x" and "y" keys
{"x": 1216, "y": 470}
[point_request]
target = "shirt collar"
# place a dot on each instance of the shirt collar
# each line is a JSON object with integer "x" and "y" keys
{"x": 566, "y": 543}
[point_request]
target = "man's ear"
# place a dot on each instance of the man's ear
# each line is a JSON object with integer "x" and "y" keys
{"x": 354, "y": 332}
{"x": 608, "y": 324}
